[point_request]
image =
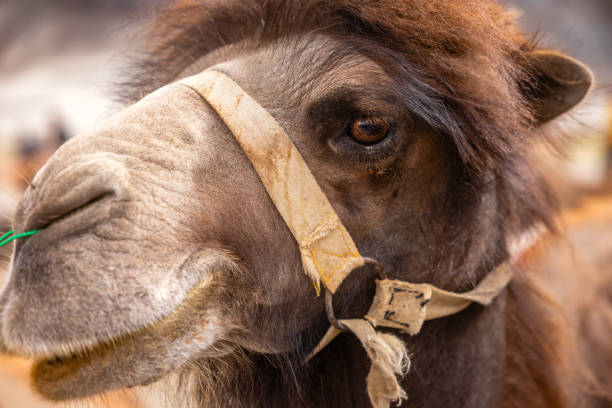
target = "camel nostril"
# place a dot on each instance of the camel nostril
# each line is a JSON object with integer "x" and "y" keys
{"x": 46, "y": 219}
{"x": 73, "y": 191}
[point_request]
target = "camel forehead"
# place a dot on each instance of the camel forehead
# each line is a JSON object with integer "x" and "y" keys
{"x": 285, "y": 71}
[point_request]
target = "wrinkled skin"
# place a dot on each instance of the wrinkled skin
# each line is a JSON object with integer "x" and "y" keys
{"x": 159, "y": 242}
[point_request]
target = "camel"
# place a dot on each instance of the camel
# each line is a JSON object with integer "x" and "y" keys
{"x": 161, "y": 259}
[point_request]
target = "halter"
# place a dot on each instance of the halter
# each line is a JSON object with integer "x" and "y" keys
{"x": 328, "y": 251}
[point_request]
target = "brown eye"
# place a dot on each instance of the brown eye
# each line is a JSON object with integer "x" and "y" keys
{"x": 369, "y": 131}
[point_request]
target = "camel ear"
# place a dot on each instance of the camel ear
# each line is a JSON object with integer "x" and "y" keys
{"x": 558, "y": 84}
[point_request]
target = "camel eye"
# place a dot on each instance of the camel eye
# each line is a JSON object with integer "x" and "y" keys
{"x": 369, "y": 131}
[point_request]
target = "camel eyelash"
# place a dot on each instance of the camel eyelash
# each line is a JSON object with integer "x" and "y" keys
{"x": 368, "y": 155}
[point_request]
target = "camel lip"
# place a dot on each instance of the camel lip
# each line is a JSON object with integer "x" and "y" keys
{"x": 79, "y": 371}
{"x": 59, "y": 367}
{"x": 68, "y": 351}
{"x": 59, "y": 360}
{"x": 56, "y": 369}
{"x": 81, "y": 352}
{"x": 71, "y": 351}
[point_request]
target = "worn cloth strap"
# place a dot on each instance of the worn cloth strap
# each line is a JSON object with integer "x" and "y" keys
{"x": 406, "y": 306}
{"x": 327, "y": 249}
{"x": 389, "y": 359}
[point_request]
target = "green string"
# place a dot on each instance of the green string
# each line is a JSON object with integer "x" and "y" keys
{"x": 6, "y": 235}
{"x": 6, "y": 238}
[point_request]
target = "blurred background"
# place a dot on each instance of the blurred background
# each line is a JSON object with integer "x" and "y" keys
{"x": 59, "y": 61}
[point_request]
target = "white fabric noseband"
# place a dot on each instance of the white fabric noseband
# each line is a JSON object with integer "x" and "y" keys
{"x": 327, "y": 249}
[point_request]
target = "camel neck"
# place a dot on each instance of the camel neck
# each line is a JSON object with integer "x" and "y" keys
{"x": 456, "y": 361}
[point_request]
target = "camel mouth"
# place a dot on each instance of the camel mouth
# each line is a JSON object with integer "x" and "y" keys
{"x": 75, "y": 355}
{"x": 45, "y": 367}
{"x": 70, "y": 360}
{"x": 56, "y": 361}
{"x": 57, "y": 377}
{"x": 40, "y": 339}
{"x": 83, "y": 373}
{"x": 79, "y": 371}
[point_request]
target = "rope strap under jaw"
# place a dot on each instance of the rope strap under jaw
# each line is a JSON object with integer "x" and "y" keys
{"x": 406, "y": 306}
{"x": 327, "y": 249}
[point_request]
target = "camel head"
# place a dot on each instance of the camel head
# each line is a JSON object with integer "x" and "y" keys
{"x": 159, "y": 246}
